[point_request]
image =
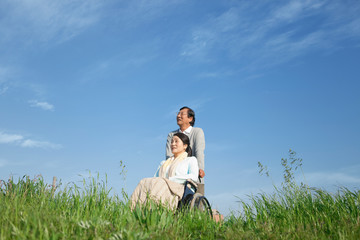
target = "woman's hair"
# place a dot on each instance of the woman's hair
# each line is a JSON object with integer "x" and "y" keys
{"x": 185, "y": 139}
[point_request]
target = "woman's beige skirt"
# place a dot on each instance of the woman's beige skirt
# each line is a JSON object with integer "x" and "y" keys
{"x": 159, "y": 189}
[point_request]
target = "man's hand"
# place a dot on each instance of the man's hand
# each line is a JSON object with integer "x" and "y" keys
{"x": 201, "y": 173}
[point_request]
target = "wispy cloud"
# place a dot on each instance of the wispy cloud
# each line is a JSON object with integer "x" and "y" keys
{"x": 265, "y": 34}
{"x": 4, "y": 78}
{"x": 332, "y": 178}
{"x": 138, "y": 12}
{"x": 10, "y": 138}
{"x": 42, "y": 20}
{"x": 293, "y": 10}
{"x": 195, "y": 104}
{"x": 43, "y": 105}
{"x": 56, "y": 21}
{"x": 21, "y": 141}
{"x": 330, "y": 181}
{"x": 212, "y": 34}
{"x": 38, "y": 144}
{"x": 129, "y": 60}
{"x": 220, "y": 73}
{"x": 199, "y": 103}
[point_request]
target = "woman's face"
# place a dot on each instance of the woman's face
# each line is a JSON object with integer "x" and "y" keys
{"x": 177, "y": 146}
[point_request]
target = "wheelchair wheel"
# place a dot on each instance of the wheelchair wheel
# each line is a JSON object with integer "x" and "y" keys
{"x": 200, "y": 202}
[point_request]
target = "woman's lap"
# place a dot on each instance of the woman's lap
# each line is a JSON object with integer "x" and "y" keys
{"x": 159, "y": 189}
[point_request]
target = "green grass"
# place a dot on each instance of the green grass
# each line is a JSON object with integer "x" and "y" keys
{"x": 31, "y": 209}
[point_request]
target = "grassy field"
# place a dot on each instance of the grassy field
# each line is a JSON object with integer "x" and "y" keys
{"x": 31, "y": 209}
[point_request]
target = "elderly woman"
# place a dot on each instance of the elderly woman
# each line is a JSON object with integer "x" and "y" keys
{"x": 167, "y": 187}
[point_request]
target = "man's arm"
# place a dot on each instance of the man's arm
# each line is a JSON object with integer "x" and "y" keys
{"x": 199, "y": 147}
{"x": 168, "y": 145}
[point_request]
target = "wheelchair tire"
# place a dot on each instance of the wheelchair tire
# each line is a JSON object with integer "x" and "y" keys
{"x": 200, "y": 202}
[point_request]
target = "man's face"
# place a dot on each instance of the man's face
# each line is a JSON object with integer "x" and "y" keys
{"x": 182, "y": 117}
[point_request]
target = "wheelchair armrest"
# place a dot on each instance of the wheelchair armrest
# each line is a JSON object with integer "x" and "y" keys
{"x": 193, "y": 184}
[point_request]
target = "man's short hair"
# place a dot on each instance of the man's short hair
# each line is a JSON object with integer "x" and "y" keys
{"x": 191, "y": 113}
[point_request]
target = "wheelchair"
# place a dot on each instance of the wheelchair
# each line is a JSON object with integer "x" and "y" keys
{"x": 194, "y": 198}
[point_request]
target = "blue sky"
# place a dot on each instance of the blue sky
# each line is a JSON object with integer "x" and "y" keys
{"x": 87, "y": 84}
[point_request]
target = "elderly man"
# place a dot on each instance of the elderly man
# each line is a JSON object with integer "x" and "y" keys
{"x": 186, "y": 119}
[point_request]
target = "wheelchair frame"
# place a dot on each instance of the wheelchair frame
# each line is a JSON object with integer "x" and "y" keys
{"x": 194, "y": 200}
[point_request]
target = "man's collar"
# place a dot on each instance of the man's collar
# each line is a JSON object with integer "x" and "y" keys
{"x": 187, "y": 131}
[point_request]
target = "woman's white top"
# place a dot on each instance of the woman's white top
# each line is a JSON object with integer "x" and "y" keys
{"x": 188, "y": 168}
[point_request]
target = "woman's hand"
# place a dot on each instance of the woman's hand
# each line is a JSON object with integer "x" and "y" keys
{"x": 201, "y": 173}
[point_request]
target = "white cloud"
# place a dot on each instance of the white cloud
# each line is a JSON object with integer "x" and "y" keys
{"x": 140, "y": 11}
{"x": 195, "y": 104}
{"x": 42, "y": 105}
{"x": 201, "y": 41}
{"x": 10, "y": 138}
{"x": 198, "y": 104}
{"x": 217, "y": 74}
{"x": 4, "y": 78}
{"x": 321, "y": 178}
{"x": 225, "y": 201}
{"x": 295, "y": 9}
{"x": 26, "y": 143}
{"x": 41, "y": 20}
{"x": 264, "y": 34}
{"x": 57, "y": 21}
{"x": 38, "y": 144}
{"x": 214, "y": 32}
